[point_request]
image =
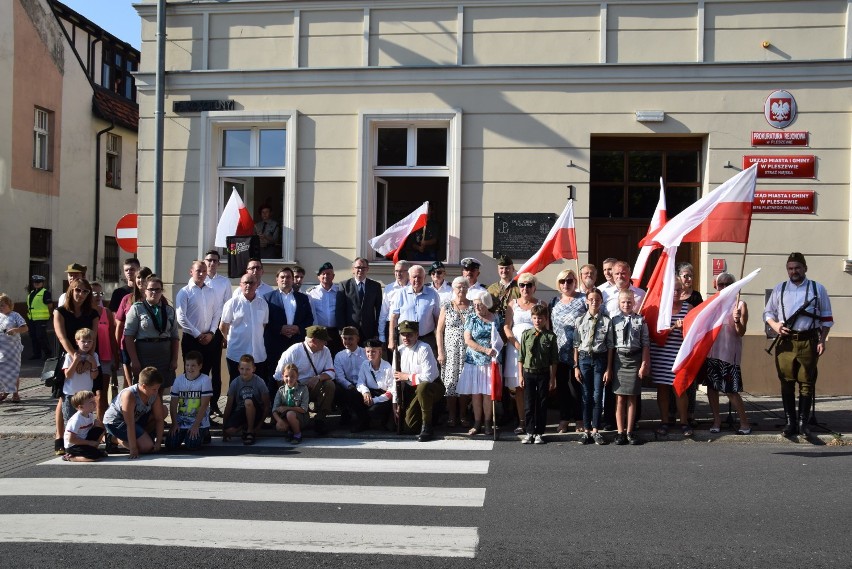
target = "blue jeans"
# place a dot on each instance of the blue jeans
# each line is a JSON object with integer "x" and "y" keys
{"x": 592, "y": 369}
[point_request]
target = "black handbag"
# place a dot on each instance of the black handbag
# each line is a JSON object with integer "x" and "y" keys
{"x": 52, "y": 374}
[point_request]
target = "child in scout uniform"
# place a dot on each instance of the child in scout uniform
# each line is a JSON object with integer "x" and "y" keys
{"x": 593, "y": 352}
{"x": 537, "y": 360}
{"x": 290, "y": 408}
{"x": 632, "y": 361}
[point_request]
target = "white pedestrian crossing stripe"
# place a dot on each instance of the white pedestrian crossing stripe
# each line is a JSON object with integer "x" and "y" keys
{"x": 371, "y": 539}
{"x": 202, "y": 490}
{"x": 295, "y": 463}
{"x": 318, "y": 537}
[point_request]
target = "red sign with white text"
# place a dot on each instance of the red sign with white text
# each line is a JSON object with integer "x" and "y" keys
{"x": 779, "y": 138}
{"x": 795, "y": 201}
{"x": 782, "y": 166}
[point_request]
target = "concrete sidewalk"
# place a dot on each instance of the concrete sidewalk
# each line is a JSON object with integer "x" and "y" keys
{"x": 34, "y": 417}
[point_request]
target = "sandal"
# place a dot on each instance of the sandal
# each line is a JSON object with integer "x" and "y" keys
{"x": 488, "y": 429}
{"x": 248, "y": 439}
{"x": 519, "y": 431}
{"x": 686, "y": 430}
{"x": 451, "y": 423}
{"x": 563, "y": 427}
{"x": 716, "y": 429}
{"x": 746, "y": 431}
{"x": 474, "y": 430}
{"x": 16, "y": 398}
{"x": 663, "y": 430}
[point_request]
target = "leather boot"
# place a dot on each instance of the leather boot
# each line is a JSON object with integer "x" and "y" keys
{"x": 788, "y": 399}
{"x": 804, "y": 414}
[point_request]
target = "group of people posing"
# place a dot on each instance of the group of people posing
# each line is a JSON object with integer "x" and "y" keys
{"x": 293, "y": 357}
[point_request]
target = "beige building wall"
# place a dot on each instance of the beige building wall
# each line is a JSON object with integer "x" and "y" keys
{"x": 61, "y": 199}
{"x": 523, "y": 115}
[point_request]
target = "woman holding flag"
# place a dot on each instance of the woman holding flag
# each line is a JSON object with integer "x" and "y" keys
{"x": 723, "y": 362}
{"x": 662, "y": 358}
{"x": 475, "y": 378}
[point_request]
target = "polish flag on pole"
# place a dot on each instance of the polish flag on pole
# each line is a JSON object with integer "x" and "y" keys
{"x": 701, "y": 327}
{"x": 561, "y": 243}
{"x": 391, "y": 242}
{"x": 496, "y": 376}
{"x": 235, "y": 220}
{"x": 723, "y": 215}
{"x": 660, "y": 294}
{"x": 657, "y": 222}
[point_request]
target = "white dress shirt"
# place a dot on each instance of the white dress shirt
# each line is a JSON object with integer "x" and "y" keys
{"x": 419, "y": 361}
{"x": 221, "y": 285}
{"x": 197, "y": 309}
{"x": 388, "y": 297}
{"x": 347, "y": 365}
{"x": 246, "y": 319}
{"x": 323, "y": 303}
{"x": 382, "y": 378}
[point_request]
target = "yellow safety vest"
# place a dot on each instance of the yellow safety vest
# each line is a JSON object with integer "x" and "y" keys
{"x": 37, "y": 310}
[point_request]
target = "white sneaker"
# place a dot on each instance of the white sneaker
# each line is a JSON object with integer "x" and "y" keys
{"x": 539, "y": 440}
{"x": 527, "y": 440}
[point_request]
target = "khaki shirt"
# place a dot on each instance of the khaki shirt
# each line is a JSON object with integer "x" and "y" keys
{"x": 539, "y": 350}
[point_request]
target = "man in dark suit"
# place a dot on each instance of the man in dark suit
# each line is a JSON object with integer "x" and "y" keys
{"x": 289, "y": 316}
{"x": 359, "y": 301}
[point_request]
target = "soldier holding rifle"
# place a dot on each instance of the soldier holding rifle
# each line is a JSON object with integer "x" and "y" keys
{"x": 799, "y": 311}
{"x": 416, "y": 381}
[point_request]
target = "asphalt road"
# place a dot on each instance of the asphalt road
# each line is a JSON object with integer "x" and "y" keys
{"x": 663, "y": 504}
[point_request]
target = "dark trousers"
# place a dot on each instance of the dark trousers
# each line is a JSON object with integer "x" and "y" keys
{"x": 350, "y": 402}
{"x": 38, "y": 337}
{"x": 216, "y": 369}
{"x": 569, "y": 393}
{"x": 535, "y": 401}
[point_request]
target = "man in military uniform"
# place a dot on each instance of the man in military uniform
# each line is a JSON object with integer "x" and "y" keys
{"x": 799, "y": 311}
{"x": 420, "y": 380}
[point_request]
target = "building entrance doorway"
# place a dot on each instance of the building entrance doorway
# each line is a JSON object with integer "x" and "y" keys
{"x": 624, "y": 189}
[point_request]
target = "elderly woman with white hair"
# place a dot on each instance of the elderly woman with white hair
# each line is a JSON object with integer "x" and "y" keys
{"x": 565, "y": 309}
{"x": 449, "y": 335}
{"x": 475, "y": 378}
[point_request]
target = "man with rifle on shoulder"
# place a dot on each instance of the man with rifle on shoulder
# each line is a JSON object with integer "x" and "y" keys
{"x": 415, "y": 379}
{"x": 799, "y": 311}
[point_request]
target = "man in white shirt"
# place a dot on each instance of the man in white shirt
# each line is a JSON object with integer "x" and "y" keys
{"x": 255, "y": 267}
{"x": 438, "y": 274}
{"x": 221, "y": 285}
{"x": 316, "y": 371}
{"x": 198, "y": 310}
{"x": 608, "y": 286}
{"x": 323, "y": 299}
{"x": 347, "y": 365}
{"x": 621, "y": 282}
{"x": 417, "y": 378}
{"x": 243, "y": 320}
{"x": 400, "y": 273}
{"x": 417, "y": 303}
{"x": 470, "y": 271}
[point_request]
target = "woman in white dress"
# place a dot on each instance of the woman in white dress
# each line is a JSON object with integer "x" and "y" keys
{"x": 475, "y": 377}
{"x": 518, "y": 319}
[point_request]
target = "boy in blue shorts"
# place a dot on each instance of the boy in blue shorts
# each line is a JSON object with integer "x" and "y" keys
{"x": 189, "y": 406}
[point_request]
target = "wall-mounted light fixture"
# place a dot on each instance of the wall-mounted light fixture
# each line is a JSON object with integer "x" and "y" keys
{"x": 650, "y": 116}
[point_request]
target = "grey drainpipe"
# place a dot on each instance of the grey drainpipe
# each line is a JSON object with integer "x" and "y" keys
{"x": 98, "y": 196}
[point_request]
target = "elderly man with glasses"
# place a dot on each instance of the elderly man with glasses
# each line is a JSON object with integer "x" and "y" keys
{"x": 359, "y": 302}
{"x": 244, "y": 318}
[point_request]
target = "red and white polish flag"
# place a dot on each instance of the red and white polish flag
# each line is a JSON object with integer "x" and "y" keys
{"x": 660, "y": 294}
{"x": 722, "y": 216}
{"x": 561, "y": 243}
{"x": 390, "y": 243}
{"x": 235, "y": 220}
{"x": 657, "y": 222}
{"x": 701, "y": 327}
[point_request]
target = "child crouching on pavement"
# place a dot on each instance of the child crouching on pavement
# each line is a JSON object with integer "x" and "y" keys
{"x": 248, "y": 403}
{"x": 189, "y": 405}
{"x": 83, "y": 431}
{"x": 632, "y": 362}
{"x": 80, "y": 369}
{"x": 290, "y": 408}
{"x": 537, "y": 361}
{"x": 135, "y": 413}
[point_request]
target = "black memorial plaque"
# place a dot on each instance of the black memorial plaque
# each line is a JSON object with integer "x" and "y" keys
{"x": 520, "y": 235}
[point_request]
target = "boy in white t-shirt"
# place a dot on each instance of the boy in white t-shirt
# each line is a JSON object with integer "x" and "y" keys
{"x": 83, "y": 431}
{"x": 80, "y": 368}
{"x": 190, "y": 403}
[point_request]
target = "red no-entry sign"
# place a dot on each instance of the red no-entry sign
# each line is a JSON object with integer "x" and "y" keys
{"x": 126, "y": 232}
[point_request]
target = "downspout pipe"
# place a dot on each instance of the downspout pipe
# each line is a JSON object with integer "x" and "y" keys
{"x": 159, "y": 114}
{"x": 98, "y": 136}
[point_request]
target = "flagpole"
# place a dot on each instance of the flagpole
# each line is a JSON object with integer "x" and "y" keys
{"x": 742, "y": 270}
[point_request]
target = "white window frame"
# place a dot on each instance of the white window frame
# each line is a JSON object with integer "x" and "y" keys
{"x": 113, "y": 151}
{"x": 41, "y": 139}
{"x": 214, "y": 123}
{"x": 369, "y": 122}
